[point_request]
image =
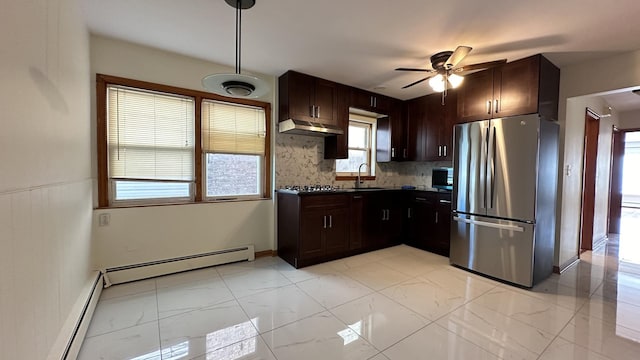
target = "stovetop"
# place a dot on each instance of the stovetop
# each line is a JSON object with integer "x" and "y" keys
{"x": 311, "y": 188}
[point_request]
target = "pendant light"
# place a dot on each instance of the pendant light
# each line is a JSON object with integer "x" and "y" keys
{"x": 236, "y": 85}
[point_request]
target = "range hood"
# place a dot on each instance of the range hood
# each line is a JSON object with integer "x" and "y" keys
{"x": 300, "y": 127}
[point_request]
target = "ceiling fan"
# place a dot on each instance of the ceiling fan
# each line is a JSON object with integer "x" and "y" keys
{"x": 444, "y": 70}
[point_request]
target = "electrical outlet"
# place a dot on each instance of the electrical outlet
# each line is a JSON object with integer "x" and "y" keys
{"x": 104, "y": 219}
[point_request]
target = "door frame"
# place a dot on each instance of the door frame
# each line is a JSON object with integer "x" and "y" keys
{"x": 589, "y": 168}
{"x": 615, "y": 181}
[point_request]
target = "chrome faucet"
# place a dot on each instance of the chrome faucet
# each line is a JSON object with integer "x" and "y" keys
{"x": 358, "y": 181}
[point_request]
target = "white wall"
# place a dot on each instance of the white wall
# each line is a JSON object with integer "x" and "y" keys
{"x": 603, "y": 178}
{"x": 151, "y": 233}
{"x": 576, "y": 81}
{"x": 630, "y": 120}
{"x": 45, "y": 178}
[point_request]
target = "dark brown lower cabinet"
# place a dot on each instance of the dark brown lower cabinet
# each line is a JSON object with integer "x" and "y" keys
{"x": 384, "y": 218}
{"x": 357, "y": 225}
{"x": 315, "y": 228}
{"x": 429, "y": 221}
{"x": 312, "y": 229}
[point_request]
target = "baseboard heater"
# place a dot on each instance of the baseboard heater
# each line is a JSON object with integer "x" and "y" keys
{"x": 127, "y": 273}
{"x": 72, "y": 332}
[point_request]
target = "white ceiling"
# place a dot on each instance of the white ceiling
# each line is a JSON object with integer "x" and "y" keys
{"x": 360, "y": 42}
{"x": 623, "y": 101}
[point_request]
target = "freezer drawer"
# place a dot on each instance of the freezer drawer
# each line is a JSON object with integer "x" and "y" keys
{"x": 502, "y": 249}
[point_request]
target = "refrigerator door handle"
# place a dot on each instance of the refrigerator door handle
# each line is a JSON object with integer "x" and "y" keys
{"x": 489, "y": 224}
{"x": 493, "y": 166}
{"x": 486, "y": 172}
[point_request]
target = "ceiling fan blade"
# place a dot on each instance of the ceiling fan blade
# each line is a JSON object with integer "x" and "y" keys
{"x": 480, "y": 66}
{"x": 414, "y": 69}
{"x": 457, "y": 56}
{"x": 417, "y": 82}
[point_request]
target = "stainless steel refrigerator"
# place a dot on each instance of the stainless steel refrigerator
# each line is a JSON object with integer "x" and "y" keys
{"x": 504, "y": 198}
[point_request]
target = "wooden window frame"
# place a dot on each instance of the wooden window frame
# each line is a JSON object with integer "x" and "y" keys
{"x": 370, "y": 161}
{"x": 103, "y": 81}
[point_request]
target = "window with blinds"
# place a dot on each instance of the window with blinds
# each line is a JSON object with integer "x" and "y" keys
{"x": 150, "y": 144}
{"x": 234, "y": 145}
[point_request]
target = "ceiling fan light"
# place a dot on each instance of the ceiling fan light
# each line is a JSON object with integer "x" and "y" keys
{"x": 437, "y": 83}
{"x": 455, "y": 80}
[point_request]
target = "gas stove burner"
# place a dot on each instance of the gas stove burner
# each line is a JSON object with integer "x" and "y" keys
{"x": 311, "y": 188}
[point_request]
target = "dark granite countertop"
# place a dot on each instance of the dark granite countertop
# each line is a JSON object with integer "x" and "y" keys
{"x": 354, "y": 190}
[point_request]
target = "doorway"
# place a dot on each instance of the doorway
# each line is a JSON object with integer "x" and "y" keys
{"x": 630, "y": 204}
{"x": 591, "y": 133}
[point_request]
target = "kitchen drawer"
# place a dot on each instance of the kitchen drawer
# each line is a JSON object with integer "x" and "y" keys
{"x": 325, "y": 201}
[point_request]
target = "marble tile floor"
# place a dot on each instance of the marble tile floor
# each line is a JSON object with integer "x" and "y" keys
{"x": 398, "y": 303}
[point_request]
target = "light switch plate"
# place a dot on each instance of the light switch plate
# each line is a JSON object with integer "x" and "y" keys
{"x": 104, "y": 219}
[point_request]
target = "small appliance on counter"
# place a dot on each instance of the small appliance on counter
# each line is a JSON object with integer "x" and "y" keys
{"x": 442, "y": 178}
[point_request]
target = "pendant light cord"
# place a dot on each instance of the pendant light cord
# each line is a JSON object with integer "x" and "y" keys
{"x": 238, "y": 34}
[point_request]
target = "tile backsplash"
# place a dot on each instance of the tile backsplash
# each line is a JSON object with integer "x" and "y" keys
{"x": 300, "y": 160}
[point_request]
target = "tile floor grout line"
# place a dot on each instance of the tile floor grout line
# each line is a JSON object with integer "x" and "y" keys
{"x": 258, "y": 334}
{"x": 155, "y": 282}
{"x": 558, "y": 335}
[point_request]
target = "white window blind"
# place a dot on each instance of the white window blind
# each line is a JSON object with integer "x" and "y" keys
{"x": 232, "y": 128}
{"x": 150, "y": 135}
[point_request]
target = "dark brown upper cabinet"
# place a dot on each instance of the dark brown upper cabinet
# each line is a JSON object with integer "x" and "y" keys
{"x": 369, "y": 101}
{"x": 337, "y": 147}
{"x": 439, "y": 126}
{"x": 391, "y": 142}
{"x": 526, "y": 86}
{"x": 304, "y": 97}
{"x": 430, "y": 127}
{"x": 416, "y": 126}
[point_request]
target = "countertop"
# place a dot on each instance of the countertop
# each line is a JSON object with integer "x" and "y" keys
{"x": 362, "y": 189}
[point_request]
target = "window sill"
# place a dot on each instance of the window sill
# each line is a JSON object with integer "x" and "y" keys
{"x": 353, "y": 178}
{"x": 212, "y": 201}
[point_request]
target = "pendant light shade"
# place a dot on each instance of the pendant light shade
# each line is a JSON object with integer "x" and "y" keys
{"x": 237, "y": 85}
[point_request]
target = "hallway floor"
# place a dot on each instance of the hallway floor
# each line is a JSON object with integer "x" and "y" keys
{"x": 398, "y": 303}
{"x": 630, "y": 237}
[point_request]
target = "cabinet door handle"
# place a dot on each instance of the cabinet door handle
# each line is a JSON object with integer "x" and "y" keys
{"x": 387, "y": 214}
{"x": 436, "y": 217}
{"x": 496, "y": 107}
{"x": 371, "y": 101}
{"x": 393, "y": 152}
{"x": 408, "y": 213}
{"x": 421, "y": 199}
{"x": 445, "y": 150}
{"x": 375, "y": 101}
{"x": 324, "y": 219}
{"x": 318, "y": 112}
{"x": 384, "y": 213}
{"x": 404, "y": 153}
{"x": 439, "y": 150}
{"x": 357, "y": 196}
{"x": 330, "y": 221}
{"x": 312, "y": 110}
{"x": 489, "y": 107}
{"x": 445, "y": 201}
